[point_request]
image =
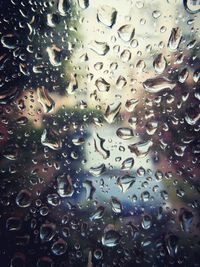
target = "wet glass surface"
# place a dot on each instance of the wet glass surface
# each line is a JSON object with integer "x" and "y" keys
{"x": 99, "y": 133}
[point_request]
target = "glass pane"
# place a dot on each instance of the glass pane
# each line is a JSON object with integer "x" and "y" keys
{"x": 99, "y": 133}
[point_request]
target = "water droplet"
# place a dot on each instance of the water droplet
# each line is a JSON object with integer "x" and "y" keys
{"x": 18, "y": 260}
{"x": 78, "y": 141}
{"x": 97, "y": 171}
{"x": 59, "y": 247}
{"x": 131, "y": 104}
{"x": 98, "y": 65}
{"x": 146, "y": 221}
{"x": 182, "y": 77}
{"x": 45, "y": 100}
{"x": 126, "y": 32}
{"x": 164, "y": 195}
{"x": 64, "y": 186}
{"x": 107, "y": 15}
{"x": 171, "y": 242}
{"x": 101, "y": 48}
{"x": 24, "y": 69}
{"x": 55, "y": 55}
{"x": 51, "y": 139}
{"x": 63, "y": 7}
{"x": 53, "y": 199}
{"x": 159, "y": 176}
{"x": 47, "y": 232}
{"x": 112, "y": 111}
{"x": 192, "y": 116}
{"x": 151, "y": 127}
{"x": 116, "y": 205}
{"x": 124, "y": 133}
{"x": 175, "y": 38}
{"x": 13, "y": 224}
{"x": 156, "y": 14}
{"x": 9, "y": 41}
{"x": 157, "y": 85}
{"x": 146, "y": 243}
{"x": 73, "y": 84}
{"x": 52, "y": 20}
{"x": 140, "y": 66}
{"x": 111, "y": 238}
{"x": 99, "y": 146}
{"x": 192, "y": 6}
{"x": 23, "y": 198}
{"x": 125, "y": 182}
{"x": 186, "y": 218}
{"x": 145, "y": 196}
{"x": 159, "y": 63}
{"x": 98, "y": 214}
{"x": 127, "y": 164}
{"x": 83, "y": 4}
{"x": 102, "y": 85}
{"x": 179, "y": 150}
{"x": 125, "y": 56}
{"x": 121, "y": 82}
{"x": 98, "y": 254}
{"x": 141, "y": 149}
{"x": 90, "y": 189}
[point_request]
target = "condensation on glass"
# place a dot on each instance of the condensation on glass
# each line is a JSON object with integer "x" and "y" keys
{"x": 99, "y": 133}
